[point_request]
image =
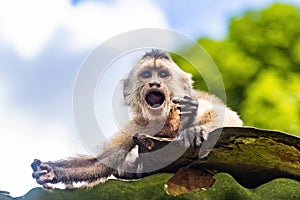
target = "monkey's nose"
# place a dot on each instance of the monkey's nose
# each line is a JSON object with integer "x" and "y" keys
{"x": 153, "y": 83}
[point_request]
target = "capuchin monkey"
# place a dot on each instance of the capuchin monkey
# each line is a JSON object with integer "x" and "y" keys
{"x": 163, "y": 103}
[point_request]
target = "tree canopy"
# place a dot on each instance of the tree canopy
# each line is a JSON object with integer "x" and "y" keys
{"x": 259, "y": 61}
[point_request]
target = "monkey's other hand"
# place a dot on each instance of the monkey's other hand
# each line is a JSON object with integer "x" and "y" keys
{"x": 188, "y": 108}
{"x": 43, "y": 172}
{"x": 192, "y": 136}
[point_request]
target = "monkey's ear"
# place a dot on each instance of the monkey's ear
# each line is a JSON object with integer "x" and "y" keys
{"x": 189, "y": 77}
{"x": 191, "y": 81}
{"x": 187, "y": 83}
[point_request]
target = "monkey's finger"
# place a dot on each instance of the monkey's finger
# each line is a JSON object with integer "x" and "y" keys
{"x": 201, "y": 135}
{"x": 188, "y": 97}
{"x": 205, "y": 134}
{"x": 187, "y": 113}
{"x": 186, "y": 139}
{"x": 192, "y": 139}
{"x": 185, "y": 100}
{"x": 42, "y": 180}
{"x": 198, "y": 141}
{"x": 46, "y": 178}
{"x": 176, "y": 100}
{"x": 188, "y": 136}
{"x": 189, "y": 102}
{"x": 187, "y": 108}
{"x": 37, "y": 174}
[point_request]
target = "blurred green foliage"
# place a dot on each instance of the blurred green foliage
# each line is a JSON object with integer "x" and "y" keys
{"x": 259, "y": 62}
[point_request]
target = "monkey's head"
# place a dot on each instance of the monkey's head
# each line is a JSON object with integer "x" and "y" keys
{"x": 152, "y": 84}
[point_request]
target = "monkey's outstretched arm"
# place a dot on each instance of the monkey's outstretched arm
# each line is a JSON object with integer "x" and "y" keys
{"x": 83, "y": 168}
{"x": 64, "y": 171}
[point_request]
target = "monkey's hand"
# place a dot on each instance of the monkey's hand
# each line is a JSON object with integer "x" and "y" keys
{"x": 44, "y": 173}
{"x": 188, "y": 108}
{"x": 190, "y": 133}
{"x": 192, "y": 136}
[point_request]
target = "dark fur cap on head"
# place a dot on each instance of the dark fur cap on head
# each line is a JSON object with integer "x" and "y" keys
{"x": 156, "y": 54}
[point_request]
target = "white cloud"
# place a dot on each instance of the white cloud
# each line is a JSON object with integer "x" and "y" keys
{"x": 29, "y": 25}
{"x": 92, "y": 24}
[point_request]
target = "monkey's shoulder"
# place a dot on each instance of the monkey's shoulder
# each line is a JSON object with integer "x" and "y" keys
{"x": 201, "y": 95}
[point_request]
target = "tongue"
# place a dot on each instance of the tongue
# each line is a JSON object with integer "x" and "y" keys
{"x": 155, "y": 99}
{"x": 155, "y": 105}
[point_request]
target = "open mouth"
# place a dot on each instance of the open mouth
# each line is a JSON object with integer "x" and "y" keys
{"x": 155, "y": 99}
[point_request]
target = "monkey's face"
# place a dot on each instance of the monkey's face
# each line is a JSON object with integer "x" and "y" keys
{"x": 154, "y": 91}
{"x": 152, "y": 84}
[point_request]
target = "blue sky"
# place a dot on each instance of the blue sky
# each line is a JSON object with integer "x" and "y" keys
{"x": 42, "y": 45}
{"x": 206, "y": 18}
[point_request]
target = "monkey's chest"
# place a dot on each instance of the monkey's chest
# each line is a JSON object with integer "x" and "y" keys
{"x": 170, "y": 129}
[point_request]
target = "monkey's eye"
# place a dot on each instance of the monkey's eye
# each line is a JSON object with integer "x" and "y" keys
{"x": 146, "y": 74}
{"x": 163, "y": 74}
